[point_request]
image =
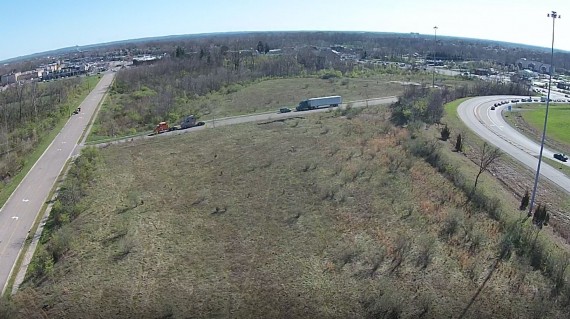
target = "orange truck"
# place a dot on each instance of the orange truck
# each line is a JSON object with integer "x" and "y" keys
{"x": 161, "y": 128}
{"x": 188, "y": 122}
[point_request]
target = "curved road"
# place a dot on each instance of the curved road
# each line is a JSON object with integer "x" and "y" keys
{"x": 476, "y": 113}
{"x": 20, "y": 211}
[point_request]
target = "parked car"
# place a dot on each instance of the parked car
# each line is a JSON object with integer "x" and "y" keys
{"x": 561, "y": 157}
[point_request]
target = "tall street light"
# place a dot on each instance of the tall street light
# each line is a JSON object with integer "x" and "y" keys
{"x": 554, "y": 16}
{"x": 434, "y": 49}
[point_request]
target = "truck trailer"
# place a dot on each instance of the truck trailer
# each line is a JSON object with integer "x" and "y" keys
{"x": 317, "y": 102}
{"x": 187, "y": 122}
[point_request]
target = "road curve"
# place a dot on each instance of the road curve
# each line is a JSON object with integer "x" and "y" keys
{"x": 476, "y": 113}
{"x": 20, "y": 211}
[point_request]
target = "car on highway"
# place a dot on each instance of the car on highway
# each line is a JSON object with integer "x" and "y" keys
{"x": 493, "y": 107}
{"x": 284, "y": 110}
{"x": 561, "y": 157}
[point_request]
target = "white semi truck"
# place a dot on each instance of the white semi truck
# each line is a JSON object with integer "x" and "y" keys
{"x": 317, "y": 102}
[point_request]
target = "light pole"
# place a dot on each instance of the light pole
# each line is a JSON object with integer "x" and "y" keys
{"x": 554, "y": 16}
{"x": 434, "y": 49}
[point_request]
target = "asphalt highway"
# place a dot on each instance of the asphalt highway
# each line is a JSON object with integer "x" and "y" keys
{"x": 20, "y": 211}
{"x": 261, "y": 117}
{"x": 476, "y": 113}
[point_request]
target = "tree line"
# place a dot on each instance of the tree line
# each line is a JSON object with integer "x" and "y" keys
{"x": 29, "y": 111}
{"x": 421, "y": 103}
{"x": 145, "y": 95}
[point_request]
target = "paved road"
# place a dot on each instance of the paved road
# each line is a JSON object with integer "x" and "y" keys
{"x": 258, "y": 118}
{"x": 476, "y": 113}
{"x": 20, "y": 211}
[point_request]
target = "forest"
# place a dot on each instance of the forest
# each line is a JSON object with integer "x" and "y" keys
{"x": 30, "y": 112}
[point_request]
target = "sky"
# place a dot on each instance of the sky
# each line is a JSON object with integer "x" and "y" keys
{"x": 32, "y": 26}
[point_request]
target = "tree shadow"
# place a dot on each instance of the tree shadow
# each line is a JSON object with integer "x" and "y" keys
{"x": 489, "y": 275}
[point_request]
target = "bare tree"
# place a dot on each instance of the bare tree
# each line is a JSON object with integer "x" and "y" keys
{"x": 487, "y": 155}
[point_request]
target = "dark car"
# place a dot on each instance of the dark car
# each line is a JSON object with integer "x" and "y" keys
{"x": 561, "y": 157}
{"x": 284, "y": 110}
{"x": 493, "y": 107}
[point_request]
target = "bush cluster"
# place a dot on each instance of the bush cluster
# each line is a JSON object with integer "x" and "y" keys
{"x": 56, "y": 236}
{"x": 519, "y": 237}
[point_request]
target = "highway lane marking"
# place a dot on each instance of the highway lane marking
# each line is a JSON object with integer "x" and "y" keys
{"x": 11, "y": 235}
{"x": 490, "y": 119}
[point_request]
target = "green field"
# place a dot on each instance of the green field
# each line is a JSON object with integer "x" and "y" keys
{"x": 558, "y": 120}
{"x": 324, "y": 216}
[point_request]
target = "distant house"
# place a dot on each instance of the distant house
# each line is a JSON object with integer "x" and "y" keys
{"x": 10, "y": 78}
{"x": 482, "y": 72}
{"x": 274, "y": 52}
{"x": 144, "y": 60}
{"x": 29, "y": 75}
{"x": 534, "y": 66}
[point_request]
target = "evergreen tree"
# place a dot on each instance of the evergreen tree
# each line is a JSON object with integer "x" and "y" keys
{"x": 266, "y": 47}
{"x": 179, "y": 52}
{"x": 524, "y": 201}
{"x": 541, "y": 217}
{"x": 445, "y": 133}
{"x": 459, "y": 144}
{"x": 260, "y": 47}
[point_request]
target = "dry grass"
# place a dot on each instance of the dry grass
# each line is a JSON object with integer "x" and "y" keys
{"x": 279, "y": 221}
{"x": 270, "y": 95}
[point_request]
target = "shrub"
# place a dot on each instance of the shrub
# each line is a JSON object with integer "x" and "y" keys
{"x": 59, "y": 244}
{"x": 400, "y": 251}
{"x": 459, "y": 144}
{"x": 450, "y": 225}
{"x": 445, "y": 133}
{"x": 425, "y": 251}
{"x": 41, "y": 265}
{"x": 524, "y": 201}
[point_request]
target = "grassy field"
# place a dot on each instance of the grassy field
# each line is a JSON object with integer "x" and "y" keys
{"x": 270, "y": 95}
{"x": 512, "y": 174}
{"x": 558, "y": 119}
{"x": 321, "y": 217}
{"x": 263, "y": 96}
{"x": 529, "y": 120}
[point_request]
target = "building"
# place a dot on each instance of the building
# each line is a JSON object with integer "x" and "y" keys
{"x": 29, "y": 75}
{"x": 10, "y": 78}
{"x": 534, "y": 66}
{"x": 144, "y": 60}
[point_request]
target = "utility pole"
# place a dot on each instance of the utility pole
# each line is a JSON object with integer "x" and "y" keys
{"x": 554, "y": 16}
{"x": 434, "y": 49}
